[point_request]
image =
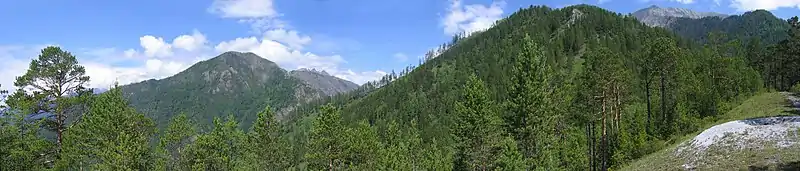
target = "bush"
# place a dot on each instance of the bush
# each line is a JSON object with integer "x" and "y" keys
{"x": 795, "y": 88}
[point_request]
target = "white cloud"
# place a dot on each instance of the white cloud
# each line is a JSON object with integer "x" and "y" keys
{"x": 685, "y": 1}
{"x": 289, "y": 37}
{"x": 748, "y": 5}
{"x": 130, "y": 53}
{"x": 190, "y": 42}
{"x": 360, "y": 77}
{"x": 275, "y": 41}
{"x": 470, "y": 18}
{"x": 292, "y": 59}
{"x": 243, "y": 8}
{"x": 155, "y": 46}
{"x": 157, "y": 58}
{"x": 400, "y": 57}
{"x": 280, "y": 53}
{"x": 104, "y": 75}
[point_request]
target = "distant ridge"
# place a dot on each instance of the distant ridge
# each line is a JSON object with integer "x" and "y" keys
{"x": 232, "y": 83}
{"x": 662, "y": 17}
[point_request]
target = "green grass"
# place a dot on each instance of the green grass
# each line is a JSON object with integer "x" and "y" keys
{"x": 761, "y": 105}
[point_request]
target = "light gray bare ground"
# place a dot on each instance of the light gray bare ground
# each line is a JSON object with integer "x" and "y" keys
{"x": 779, "y": 133}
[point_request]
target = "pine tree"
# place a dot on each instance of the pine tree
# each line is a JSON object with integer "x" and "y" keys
{"x": 20, "y": 146}
{"x": 528, "y": 105}
{"x": 111, "y": 136}
{"x": 174, "y": 140}
{"x": 268, "y": 151}
{"x": 221, "y": 149}
{"x": 326, "y": 148}
{"x": 51, "y": 77}
{"x": 477, "y": 127}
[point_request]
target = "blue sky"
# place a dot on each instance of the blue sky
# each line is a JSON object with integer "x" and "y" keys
{"x": 358, "y": 40}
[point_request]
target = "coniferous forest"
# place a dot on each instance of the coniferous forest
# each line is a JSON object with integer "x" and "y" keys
{"x": 573, "y": 88}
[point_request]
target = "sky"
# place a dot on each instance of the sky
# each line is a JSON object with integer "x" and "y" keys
{"x": 356, "y": 40}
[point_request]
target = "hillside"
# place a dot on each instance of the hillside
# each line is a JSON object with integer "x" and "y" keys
{"x": 665, "y": 17}
{"x": 759, "y": 134}
{"x": 579, "y": 46}
{"x": 234, "y": 83}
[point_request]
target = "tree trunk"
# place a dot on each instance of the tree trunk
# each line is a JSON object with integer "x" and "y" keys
{"x": 59, "y": 131}
{"x": 604, "y": 142}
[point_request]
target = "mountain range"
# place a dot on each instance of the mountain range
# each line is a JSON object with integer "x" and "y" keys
{"x": 694, "y": 25}
{"x": 233, "y": 83}
{"x": 663, "y": 17}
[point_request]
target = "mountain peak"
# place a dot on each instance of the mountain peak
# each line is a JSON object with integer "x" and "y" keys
{"x": 662, "y": 17}
{"x": 312, "y": 70}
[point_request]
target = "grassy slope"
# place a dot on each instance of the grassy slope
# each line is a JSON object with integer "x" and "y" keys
{"x": 764, "y": 104}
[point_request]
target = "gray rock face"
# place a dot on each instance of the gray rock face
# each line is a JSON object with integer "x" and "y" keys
{"x": 321, "y": 80}
{"x": 655, "y": 16}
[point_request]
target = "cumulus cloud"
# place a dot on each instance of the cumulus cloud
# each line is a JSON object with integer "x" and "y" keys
{"x": 190, "y": 42}
{"x": 276, "y": 42}
{"x": 15, "y": 63}
{"x": 157, "y": 58}
{"x": 748, "y": 5}
{"x": 155, "y": 46}
{"x": 292, "y": 59}
{"x": 104, "y": 75}
{"x": 289, "y": 37}
{"x": 470, "y": 18}
{"x": 280, "y": 53}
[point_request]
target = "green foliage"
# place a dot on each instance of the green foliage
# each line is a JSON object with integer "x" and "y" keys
{"x": 326, "y": 144}
{"x": 795, "y": 88}
{"x": 759, "y": 24}
{"x": 54, "y": 74}
{"x": 477, "y": 127}
{"x": 267, "y": 150}
{"x": 21, "y": 147}
{"x": 111, "y": 136}
{"x": 173, "y": 142}
{"x": 221, "y": 149}
{"x": 509, "y": 157}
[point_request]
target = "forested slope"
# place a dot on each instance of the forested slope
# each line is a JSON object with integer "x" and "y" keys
{"x": 233, "y": 83}
{"x": 606, "y": 85}
{"x": 759, "y": 24}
